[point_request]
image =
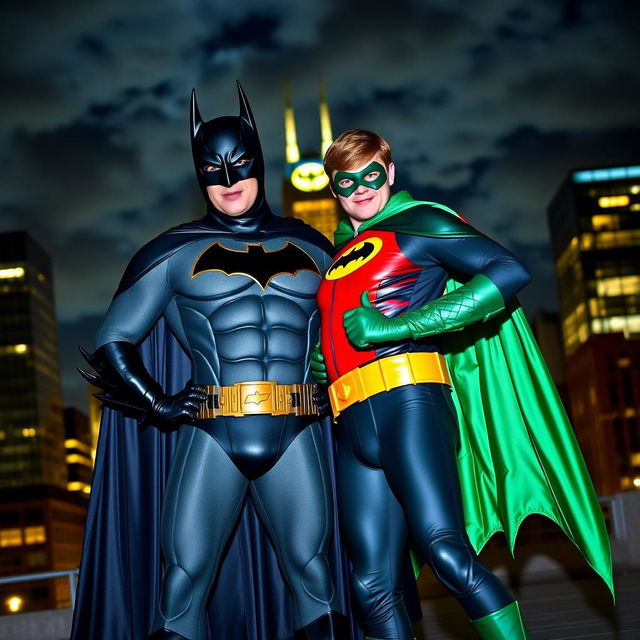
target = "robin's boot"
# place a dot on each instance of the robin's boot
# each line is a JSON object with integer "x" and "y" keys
{"x": 504, "y": 624}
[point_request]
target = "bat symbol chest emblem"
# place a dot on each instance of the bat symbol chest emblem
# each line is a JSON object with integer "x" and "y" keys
{"x": 354, "y": 257}
{"x": 255, "y": 262}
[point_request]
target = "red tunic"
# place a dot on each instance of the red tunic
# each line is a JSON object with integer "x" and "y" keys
{"x": 369, "y": 259}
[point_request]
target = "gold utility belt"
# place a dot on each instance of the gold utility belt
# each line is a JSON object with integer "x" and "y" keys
{"x": 386, "y": 374}
{"x": 262, "y": 397}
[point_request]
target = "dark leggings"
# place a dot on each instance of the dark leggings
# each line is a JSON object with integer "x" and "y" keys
{"x": 397, "y": 478}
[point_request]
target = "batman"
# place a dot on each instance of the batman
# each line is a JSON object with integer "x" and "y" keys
{"x": 211, "y": 512}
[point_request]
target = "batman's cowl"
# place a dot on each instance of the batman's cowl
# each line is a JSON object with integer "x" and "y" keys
{"x": 224, "y": 142}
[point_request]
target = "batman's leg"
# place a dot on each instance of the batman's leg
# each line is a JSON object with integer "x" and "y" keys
{"x": 375, "y": 533}
{"x": 419, "y": 457}
{"x": 293, "y": 500}
{"x": 203, "y": 500}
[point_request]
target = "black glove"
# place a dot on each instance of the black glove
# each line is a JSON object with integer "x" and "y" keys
{"x": 161, "y": 410}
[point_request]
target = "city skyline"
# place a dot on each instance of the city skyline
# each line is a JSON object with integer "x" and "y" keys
{"x": 487, "y": 108}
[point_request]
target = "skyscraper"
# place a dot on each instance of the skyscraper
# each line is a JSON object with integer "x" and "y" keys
{"x": 594, "y": 221}
{"x": 305, "y": 187}
{"x": 31, "y": 425}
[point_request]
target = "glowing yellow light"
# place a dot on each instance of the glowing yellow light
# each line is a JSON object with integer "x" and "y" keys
{"x": 635, "y": 188}
{"x": 10, "y": 537}
{"x": 605, "y": 221}
{"x": 324, "y": 205}
{"x": 14, "y": 603}
{"x": 78, "y": 486}
{"x": 13, "y": 272}
{"x": 635, "y": 459}
{"x": 35, "y": 535}
{"x": 636, "y": 482}
{"x": 78, "y": 458}
{"x": 309, "y": 176}
{"x": 28, "y": 432}
{"x": 20, "y": 348}
{"x": 613, "y": 201}
{"x": 72, "y": 443}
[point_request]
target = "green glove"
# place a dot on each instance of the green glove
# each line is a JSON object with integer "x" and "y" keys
{"x": 365, "y": 325}
{"x": 477, "y": 300}
{"x": 318, "y": 367}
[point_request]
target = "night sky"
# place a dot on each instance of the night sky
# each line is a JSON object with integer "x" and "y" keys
{"x": 487, "y": 104}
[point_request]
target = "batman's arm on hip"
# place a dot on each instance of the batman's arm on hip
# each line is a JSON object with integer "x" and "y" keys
{"x": 120, "y": 372}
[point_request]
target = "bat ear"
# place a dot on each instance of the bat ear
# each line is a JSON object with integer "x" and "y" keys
{"x": 196, "y": 119}
{"x": 245, "y": 110}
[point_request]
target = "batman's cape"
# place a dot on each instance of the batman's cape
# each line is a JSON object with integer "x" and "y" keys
{"x": 121, "y": 568}
{"x": 518, "y": 454}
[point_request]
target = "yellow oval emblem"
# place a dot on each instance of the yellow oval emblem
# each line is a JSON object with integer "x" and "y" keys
{"x": 354, "y": 257}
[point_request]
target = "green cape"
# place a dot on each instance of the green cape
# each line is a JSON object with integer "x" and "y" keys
{"x": 518, "y": 453}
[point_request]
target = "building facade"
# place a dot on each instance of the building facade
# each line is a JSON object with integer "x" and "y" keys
{"x": 31, "y": 423}
{"x": 594, "y": 221}
{"x": 305, "y": 186}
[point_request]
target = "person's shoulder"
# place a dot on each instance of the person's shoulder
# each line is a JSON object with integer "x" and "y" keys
{"x": 429, "y": 219}
{"x": 157, "y": 251}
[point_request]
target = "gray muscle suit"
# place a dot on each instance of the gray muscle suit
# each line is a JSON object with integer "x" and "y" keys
{"x": 238, "y": 292}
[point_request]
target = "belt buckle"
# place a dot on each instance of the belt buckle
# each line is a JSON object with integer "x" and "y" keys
{"x": 257, "y": 397}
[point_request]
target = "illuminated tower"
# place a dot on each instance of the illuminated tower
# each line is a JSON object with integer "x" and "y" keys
{"x": 594, "y": 221}
{"x": 31, "y": 424}
{"x": 305, "y": 188}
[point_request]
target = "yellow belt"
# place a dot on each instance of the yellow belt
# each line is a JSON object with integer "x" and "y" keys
{"x": 262, "y": 397}
{"x": 386, "y": 374}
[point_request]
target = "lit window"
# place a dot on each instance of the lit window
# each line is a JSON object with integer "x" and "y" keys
{"x": 620, "y": 286}
{"x": 635, "y": 188}
{"x": 10, "y": 537}
{"x": 635, "y": 459}
{"x": 605, "y": 221}
{"x": 613, "y": 201}
{"x": 35, "y": 535}
{"x": 14, "y": 272}
{"x": 28, "y": 432}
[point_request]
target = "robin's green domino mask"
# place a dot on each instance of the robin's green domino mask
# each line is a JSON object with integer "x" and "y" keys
{"x": 365, "y": 178}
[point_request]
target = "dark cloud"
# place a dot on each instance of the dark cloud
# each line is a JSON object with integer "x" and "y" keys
{"x": 487, "y": 105}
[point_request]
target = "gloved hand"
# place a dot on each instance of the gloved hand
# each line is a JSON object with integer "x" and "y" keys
{"x": 318, "y": 367}
{"x": 167, "y": 412}
{"x": 365, "y": 325}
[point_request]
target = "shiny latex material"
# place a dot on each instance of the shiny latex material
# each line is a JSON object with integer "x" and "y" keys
{"x": 359, "y": 179}
{"x": 505, "y": 624}
{"x": 519, "y": 455}
{"x": 476, "y": 301}
{"x": 121, "y": 569}
{"x": 397, "y": 479}
{"x": 230, "y": 144}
